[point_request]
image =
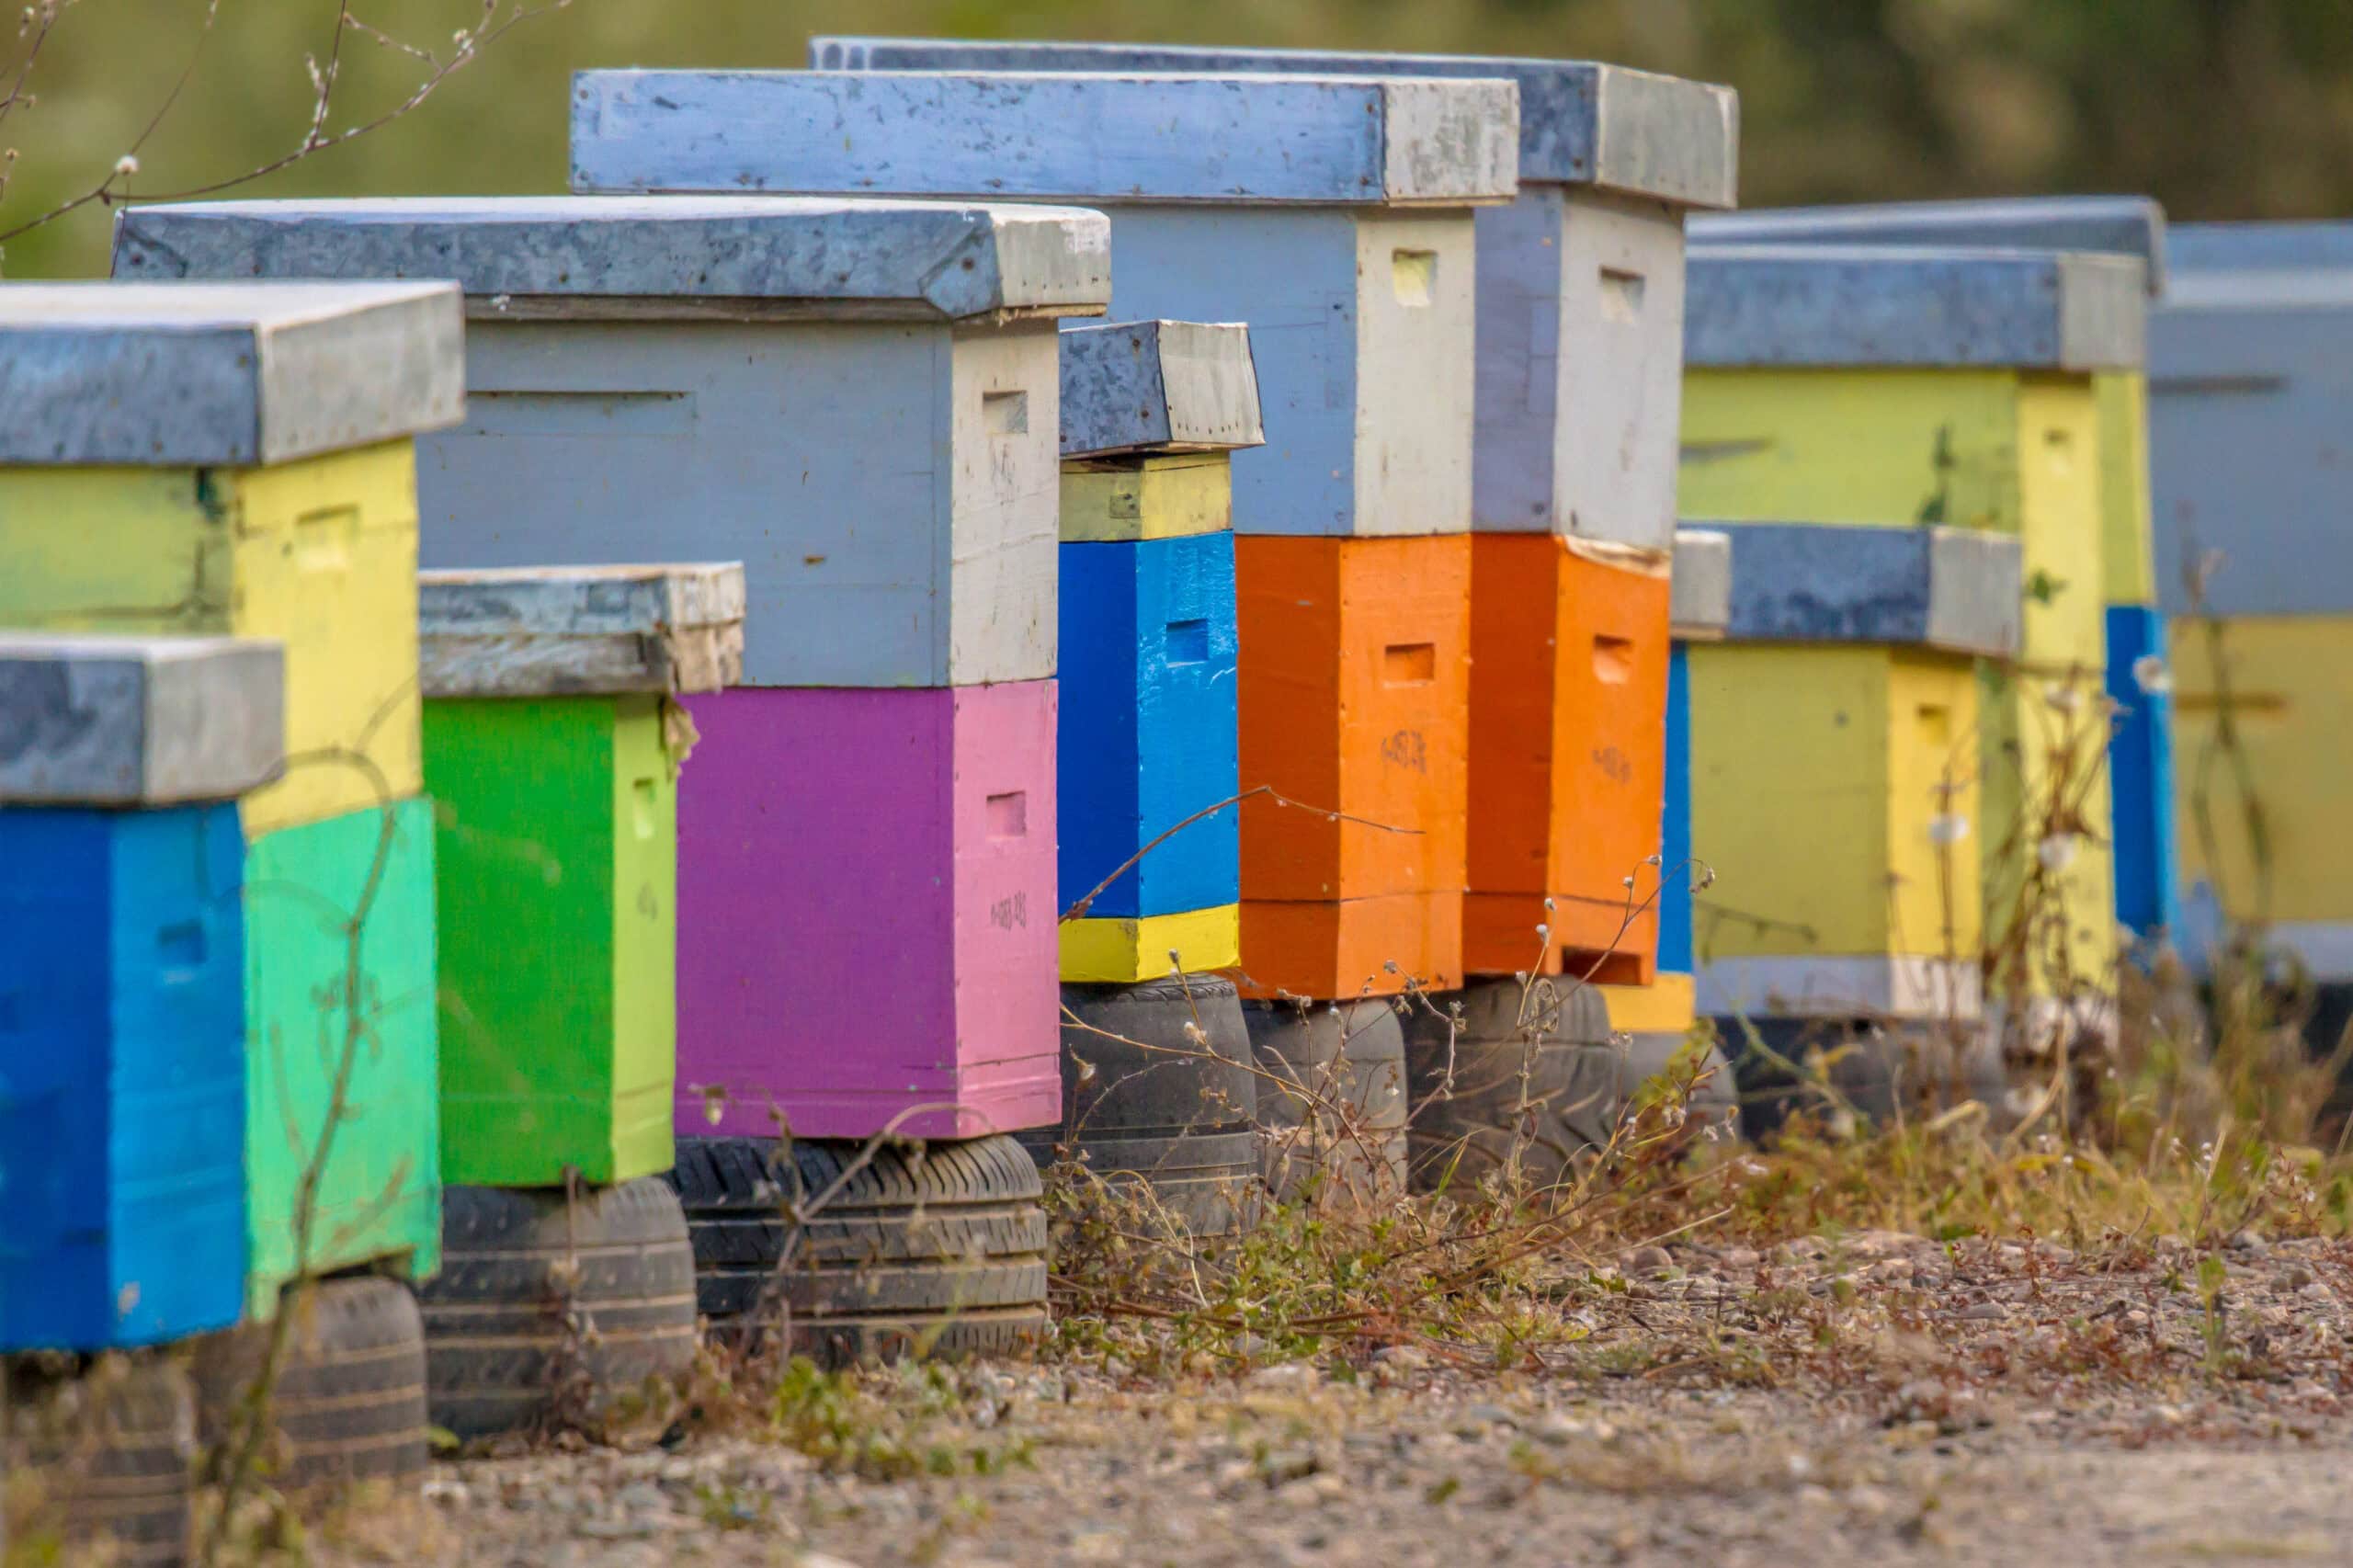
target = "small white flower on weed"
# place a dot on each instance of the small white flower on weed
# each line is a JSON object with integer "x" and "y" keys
{"x": 2149, "y": 673}
{"x": 125, "y": 165}
{"x": 2056, "y": 852}
{"x": 2063, "y": 698}
{"x": 1947, "y": 828}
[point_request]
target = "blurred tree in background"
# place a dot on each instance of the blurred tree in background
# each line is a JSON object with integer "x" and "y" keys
{"x": 2221, "y": 109}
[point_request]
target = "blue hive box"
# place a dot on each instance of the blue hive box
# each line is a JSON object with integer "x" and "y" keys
{"x": 122, "y": 1023}
{"x": 2140, "y": 765}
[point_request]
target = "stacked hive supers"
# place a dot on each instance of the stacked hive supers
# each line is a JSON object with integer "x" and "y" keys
{"x": 1350, "y": 254}
{"x": 1882, "y": 385}
{"x": 2249, "y": 402}
{"x": 2139, "y": 748}
{"x": 238, "y": 461}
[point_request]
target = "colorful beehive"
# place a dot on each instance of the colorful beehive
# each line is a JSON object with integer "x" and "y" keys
{"x": 1335, "y": 217}
{"x": 2250, "y": 396}
{"x": 122, "y": 1057}
{"x": 193, "y": 460}
{"x": 1150, "y": 411}
{"x": 1699, "y": 612}
{"x": 1904, "y": 386}
{"x": 340, "y": 1049}
{"x": 1579, "y": 371}
{"x": 552, "y": 747}
{"x": 2139, "y": 748}
{"x": 858, "y": 400}
{"x": 1835, "y": 769}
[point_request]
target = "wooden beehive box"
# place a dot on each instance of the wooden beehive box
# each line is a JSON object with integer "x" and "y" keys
{"x": 2139, "y": 748}
{"x": 235, "y": 459}
{"x": 1150, "y": 411}
{"x": 1891, "y": 385}
{"x": 1834, "y": 779}
{"x": 1580, "y": 286}
{"x": 122, "y": 1050}
{"x": 1333, "y": 216}
{"x": 552, "y": 753}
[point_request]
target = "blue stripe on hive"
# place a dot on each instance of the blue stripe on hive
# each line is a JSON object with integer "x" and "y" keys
{"x": 2140, "y": 765}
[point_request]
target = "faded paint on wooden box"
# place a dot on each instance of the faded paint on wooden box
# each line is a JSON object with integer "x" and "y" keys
{"x": 555, "y": 883}
{"x": 1355, "y": 706}
{"x": 122, "y": 1075}
{"x": 2291, "y": 707}
{"x": 1361, "y": 314}
{"x": 1110, "y": 500}
{"x": 1829, "y": 784}
{"x": 1580, "y": 286}
{"x": 865, "y": 914}
{"x": 1148, "y": 727}
{"x": 1567, "y": 766}
{"x": 856, "y": 400}
{"x": 1353, "y": 947}
{"x": 380, "y": 1198}
{"x": 318, "y": 554}
{"x": 1985, "y": 448}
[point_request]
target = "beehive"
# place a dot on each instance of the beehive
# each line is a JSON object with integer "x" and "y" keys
{"x": 339, "y": 985}
{"x": 1580, "y": 278}
{"x": 553, "y": 752}
{"x": 1354, "y": 712}
{"x": 235, "y": 460}
{"x": 2248, "y": 399}
{"x": 1835, "y": 767}
{"x": 2139, "y": 745}
{"x": 1886, "y": 385}
{"x": 858, "y": 400}
{"x": 1148, "y": 690}
{"x": 122, "y": 1070}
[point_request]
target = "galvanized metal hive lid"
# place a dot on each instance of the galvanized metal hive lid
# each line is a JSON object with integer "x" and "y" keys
{"x": 223, "y": 374}
{"x": 550, "y": 630}
{"x": 2117, "y": 225}
{"x": 696, "y": 257}
{"x": 1700, "y": 584}
{"x": 138, "y": 720}
{"x": 1168, "y": 386}
{"x": 1096, "y": 138}
{"x": 1955, "y": 589}
{"x": 1581, "y": 121}
{"x": 1750, "y": 306}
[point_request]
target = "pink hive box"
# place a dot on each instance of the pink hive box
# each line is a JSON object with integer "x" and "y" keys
{"x": 833, "y": 970}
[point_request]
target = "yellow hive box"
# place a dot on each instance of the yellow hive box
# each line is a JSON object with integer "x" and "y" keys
{"x": 1114, "y": 499}
{"x": 2291, "y": 690}
{"x": 2011, "y": 451}
{"x": 1126, "y": 952}
{"x": 1664, "y": 1006}
{"x": 2128, "y": 535}
{"x": 318, "y": 553}
{"x": 1827, "y": 784}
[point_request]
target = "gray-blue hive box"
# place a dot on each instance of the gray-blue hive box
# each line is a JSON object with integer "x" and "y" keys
{"x": 858, "y": 400}
{"x": 1580, "y": 306}
{"x": 1333, "y": 216}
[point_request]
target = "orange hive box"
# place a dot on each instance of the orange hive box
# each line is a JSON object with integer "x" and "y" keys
{"x": 1569, "y": 648}
{"x": 1355, "y": 699}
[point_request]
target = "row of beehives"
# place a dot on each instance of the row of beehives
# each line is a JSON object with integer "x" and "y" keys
{"x": 1450, "y": 601}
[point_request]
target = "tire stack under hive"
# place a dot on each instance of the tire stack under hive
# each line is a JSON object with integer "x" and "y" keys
{"x": 1331, "y": 1098}
{"x": 848, "y": 1252}
{"x": 1510, "y": 1075}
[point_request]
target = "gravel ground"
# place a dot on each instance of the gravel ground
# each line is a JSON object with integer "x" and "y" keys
{"x": 1884, "y": 1399}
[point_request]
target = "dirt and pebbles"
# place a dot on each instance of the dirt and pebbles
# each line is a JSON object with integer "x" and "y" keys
{"x": 1879, "y": 1399}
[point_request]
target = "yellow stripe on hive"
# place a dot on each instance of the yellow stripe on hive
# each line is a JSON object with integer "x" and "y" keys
{"x": 1123, "y": 952}
{"x": 1156, "y": 498}
{"x": 1664, "y": 1006}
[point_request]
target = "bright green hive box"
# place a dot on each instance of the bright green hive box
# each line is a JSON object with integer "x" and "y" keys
{"x": 551, "y": 748}
{"x": 557, "y": 883}
{"x": 380, "y": 1197}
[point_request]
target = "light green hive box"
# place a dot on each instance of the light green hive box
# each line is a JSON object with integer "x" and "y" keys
{"x": 551, "y": 749}
{"x": 338, "y": 921}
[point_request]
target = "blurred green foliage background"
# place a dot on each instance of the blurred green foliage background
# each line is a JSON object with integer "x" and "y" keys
{"x": 2223, "y": 108}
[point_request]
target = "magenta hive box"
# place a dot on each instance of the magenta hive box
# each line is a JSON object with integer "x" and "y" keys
{"x": 866, "y": 912}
